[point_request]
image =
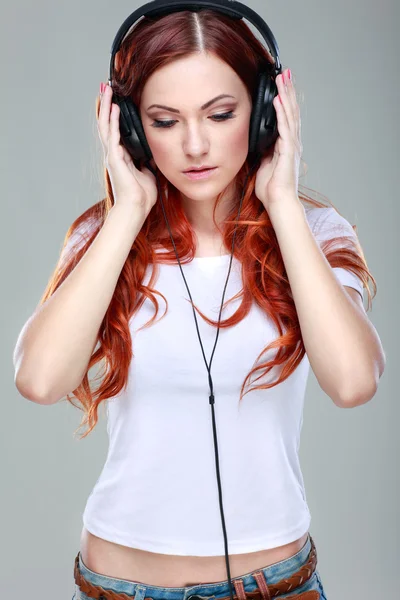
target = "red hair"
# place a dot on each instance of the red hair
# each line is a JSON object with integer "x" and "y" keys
{"x": 151, "y": 44}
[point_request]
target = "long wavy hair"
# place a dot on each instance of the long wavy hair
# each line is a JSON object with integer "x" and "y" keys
{"x": 151, "y": 44}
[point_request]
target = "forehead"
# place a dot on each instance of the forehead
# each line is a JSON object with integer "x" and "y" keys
{"x": 193, "y": 79}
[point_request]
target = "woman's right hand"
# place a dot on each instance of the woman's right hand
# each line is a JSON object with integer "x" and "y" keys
{"x": 129, "y": 184}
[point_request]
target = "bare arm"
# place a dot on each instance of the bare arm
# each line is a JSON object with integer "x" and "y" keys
{"x": 55, "y": 345}
{"x": 343, "y": 346}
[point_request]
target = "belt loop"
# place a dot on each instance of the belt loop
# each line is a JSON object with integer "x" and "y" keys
{"x": 239, "y": 588}
{"x": 262, "y": 585}
{"x": 140, "y": 592}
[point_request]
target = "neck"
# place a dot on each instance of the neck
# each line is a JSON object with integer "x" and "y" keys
{"x": 200, "y": 213}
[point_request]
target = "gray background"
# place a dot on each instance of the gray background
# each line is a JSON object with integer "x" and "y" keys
{"x": 344, "y": 57}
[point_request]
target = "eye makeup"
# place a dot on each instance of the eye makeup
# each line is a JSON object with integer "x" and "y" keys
{"x": 217, "y": 118}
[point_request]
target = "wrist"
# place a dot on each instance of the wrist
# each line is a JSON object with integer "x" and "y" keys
{"x": 287, "y": 207}
{"x": 129, "y": 210}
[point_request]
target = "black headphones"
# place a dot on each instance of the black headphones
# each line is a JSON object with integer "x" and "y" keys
{"x": 262, "y": 134}
{"x": 263, "y": 122}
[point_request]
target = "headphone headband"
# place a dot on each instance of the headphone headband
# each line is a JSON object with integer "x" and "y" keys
{"x": 232, "y": 8}
{"x": 263, "y": 129}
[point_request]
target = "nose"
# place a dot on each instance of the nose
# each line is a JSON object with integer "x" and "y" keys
{"x": 196, "y": 140}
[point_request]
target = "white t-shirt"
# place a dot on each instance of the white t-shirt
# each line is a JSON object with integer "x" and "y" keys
{"x": 158, "y": 489}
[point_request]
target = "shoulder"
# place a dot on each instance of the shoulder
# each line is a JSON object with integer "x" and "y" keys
{"x": 327, "y": 223}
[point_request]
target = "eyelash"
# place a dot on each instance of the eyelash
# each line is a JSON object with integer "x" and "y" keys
{"x": 168, "y": 124}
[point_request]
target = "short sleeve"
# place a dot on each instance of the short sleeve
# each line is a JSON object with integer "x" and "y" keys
{"x": 327, "y": 223}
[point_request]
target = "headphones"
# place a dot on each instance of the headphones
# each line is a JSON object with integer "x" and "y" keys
{"x": 263, "y": 133}
{"x": 263, "y": 130}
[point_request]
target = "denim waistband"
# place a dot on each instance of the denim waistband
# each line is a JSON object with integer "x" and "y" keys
{"x": 273, "y": 573}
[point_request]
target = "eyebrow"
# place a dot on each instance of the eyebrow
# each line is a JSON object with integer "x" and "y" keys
{"x": 206, "y": 105}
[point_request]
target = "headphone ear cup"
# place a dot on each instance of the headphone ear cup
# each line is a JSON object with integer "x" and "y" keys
{"x": 131, "y": 129}
{"x": 263, "y": 130}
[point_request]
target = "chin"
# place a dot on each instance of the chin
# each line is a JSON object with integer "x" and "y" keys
{"x": 205, "y": 193}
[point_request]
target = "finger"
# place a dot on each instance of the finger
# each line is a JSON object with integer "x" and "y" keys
{"x": 103, "y": 123}
{"x": 115, "y": 135}
{"x": 289, "y": 88}
{"x": 291, "y": 91}
{"x": 286, "y": 104}
{"x": 283, "y": 125}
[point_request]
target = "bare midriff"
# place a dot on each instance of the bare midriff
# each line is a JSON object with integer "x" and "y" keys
{"x": 167, "y": 570}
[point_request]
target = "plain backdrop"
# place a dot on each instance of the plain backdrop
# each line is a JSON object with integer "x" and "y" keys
{"x": 344, "y": 57}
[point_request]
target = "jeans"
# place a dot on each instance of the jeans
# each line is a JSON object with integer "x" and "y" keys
{"x": 273, "y": 573}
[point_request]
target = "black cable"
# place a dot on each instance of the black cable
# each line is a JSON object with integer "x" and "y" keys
{"x": 254, "y": 165}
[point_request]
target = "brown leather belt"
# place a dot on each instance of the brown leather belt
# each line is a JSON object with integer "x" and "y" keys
{"x": 264, "y": 592}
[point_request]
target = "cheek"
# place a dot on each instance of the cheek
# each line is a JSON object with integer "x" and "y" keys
{"x": 158, "y": 143}
{"x": 237, "y": 140}
{"x": 162, "y": 156}
{"x": 159, "y": 147}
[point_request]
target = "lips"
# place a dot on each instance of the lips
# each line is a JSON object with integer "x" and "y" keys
{"x": 197, "y": 169}
{"x": 203, "y": 174}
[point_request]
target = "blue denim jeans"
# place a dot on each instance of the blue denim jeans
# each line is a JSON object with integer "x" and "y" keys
{"x": 273, "y": 573}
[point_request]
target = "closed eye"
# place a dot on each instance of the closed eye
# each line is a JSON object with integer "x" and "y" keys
{"x": 217, "y": 117}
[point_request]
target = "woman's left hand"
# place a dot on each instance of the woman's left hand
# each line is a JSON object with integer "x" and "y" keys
{"x": 278, "y": 175}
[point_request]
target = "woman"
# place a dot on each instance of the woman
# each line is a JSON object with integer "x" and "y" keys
{"x": 151, "y": 524}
